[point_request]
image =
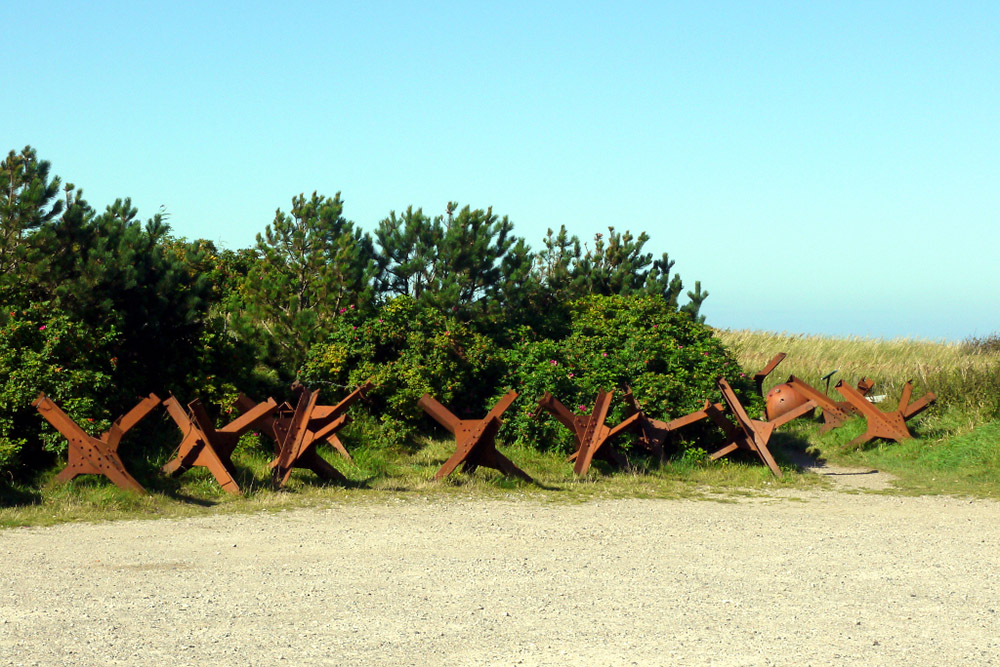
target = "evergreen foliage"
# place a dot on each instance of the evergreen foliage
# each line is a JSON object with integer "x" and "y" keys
{"x": 311, "y": 264}
{"x": 467, "y": 261}
{"x": 99, "y": 308}
{"x": 27, "y": 200}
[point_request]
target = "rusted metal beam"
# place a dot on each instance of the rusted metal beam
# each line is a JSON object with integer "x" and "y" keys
{"x": 750, "y": 434}
{"x": 887, "y": 425}
{"x": 762, "y": 374}
{"x": 205, "y": 446}
{"x": 592, "y": 435}
{"x": 835, "y": 413}
{"x": 653, "y": 433}
{"x": 475, "y": 439}
{"x": 96, "y": 456}
{"x": 297, "y": 433}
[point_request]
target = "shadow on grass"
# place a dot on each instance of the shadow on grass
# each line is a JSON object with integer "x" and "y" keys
{"x": 795, "y": 450}
{"x": 17, "y": 495}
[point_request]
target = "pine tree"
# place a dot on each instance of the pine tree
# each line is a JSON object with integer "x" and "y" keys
{"x": 312, "y": 263}
{"x": 110, "y": 269}
{"x": 28, "y": 199}
{"x": 466, "y": 262}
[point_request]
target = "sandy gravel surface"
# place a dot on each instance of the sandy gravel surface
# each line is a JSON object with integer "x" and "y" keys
{"x": 819, "y": 578}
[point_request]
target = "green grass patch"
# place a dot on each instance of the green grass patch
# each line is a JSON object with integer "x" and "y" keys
{"x": 376, "y": 474}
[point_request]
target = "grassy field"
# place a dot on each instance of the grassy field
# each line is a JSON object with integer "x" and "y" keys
{"x": 956, "y": 449}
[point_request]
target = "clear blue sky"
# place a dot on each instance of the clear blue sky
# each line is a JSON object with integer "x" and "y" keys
{"x": 820, "y": 167}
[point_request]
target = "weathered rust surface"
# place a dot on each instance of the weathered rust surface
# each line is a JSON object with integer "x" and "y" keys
{"x": 762, "y": 374}
{"x": 781, "y": 399}
{"x": 750, "y": 434}
{"x": 96, "y": 456}
{"x": 297, "y": 431}
{"x": 835, "y": 413}
{"x": 475, "y": 439}
{"x": 205, "y": 446}
{"x": 887, "y": 425}
{"x": 653, "y": 433}
{"x": 591, "y": 433}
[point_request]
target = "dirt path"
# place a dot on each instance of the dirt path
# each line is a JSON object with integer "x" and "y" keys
{"x": 809, "y": 579}
{"x": 868, "y": 479}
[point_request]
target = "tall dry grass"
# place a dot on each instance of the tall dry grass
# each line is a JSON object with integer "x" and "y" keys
{"x": 964, "y": 376}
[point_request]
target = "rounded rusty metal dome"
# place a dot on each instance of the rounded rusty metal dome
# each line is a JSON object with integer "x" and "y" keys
{"x": 781, "y": 399}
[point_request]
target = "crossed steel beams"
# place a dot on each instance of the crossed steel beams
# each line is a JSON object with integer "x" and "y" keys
{"x": 204, "y": 445}
{"x": 835, "y": 413}
{"x": 748, "y": 433}
{"x": 653, "y": 433}
{"x": 590, "y": 431}
{"x": 96, "y": 456}
{"x": 888, "y": 425}
{"x": 475, "y": 439}
{"x": 297, "y": 432}
{"x": 762, "y": 374}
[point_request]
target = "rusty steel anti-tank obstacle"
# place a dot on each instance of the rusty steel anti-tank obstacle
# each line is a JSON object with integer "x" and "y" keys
{"x": 749, "y": 434}
{"x": 475, "y": 439}
{"x": 652, "y": 433}
{"x": 96, "y": 456}
{"x": 592, "y": 435}
{"x": 205, "y": 446}
{"x": 297, "y": 432}
{"x": 889, "y": 425}
{"x": 835, "y": 413}
{"x": 794, "y": 392}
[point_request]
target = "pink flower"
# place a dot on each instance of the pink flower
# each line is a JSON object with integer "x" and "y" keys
{"x": 41, "y": 328}
{"x": 604, "y": 354}
{"x": 570, "y": 375}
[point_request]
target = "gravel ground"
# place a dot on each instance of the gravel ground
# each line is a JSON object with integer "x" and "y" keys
{"x": 811, "y": 578}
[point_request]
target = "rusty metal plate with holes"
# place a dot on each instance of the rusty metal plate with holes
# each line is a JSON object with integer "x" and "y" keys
{"x": 890, "y": 425}
{"x": 475, "y": 439}
{"x": 96, "y": 456}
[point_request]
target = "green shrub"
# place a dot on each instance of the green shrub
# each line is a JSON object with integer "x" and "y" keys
{"x": 42, "y": 350}
{"x": 406, "y": 350}
{"x": 671, "y": 362}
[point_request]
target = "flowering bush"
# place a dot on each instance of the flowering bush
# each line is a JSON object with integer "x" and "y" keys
{"x": 42, "y": 350}
{"x": 671, "y": 362}
{"x": 406, "y": 350}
